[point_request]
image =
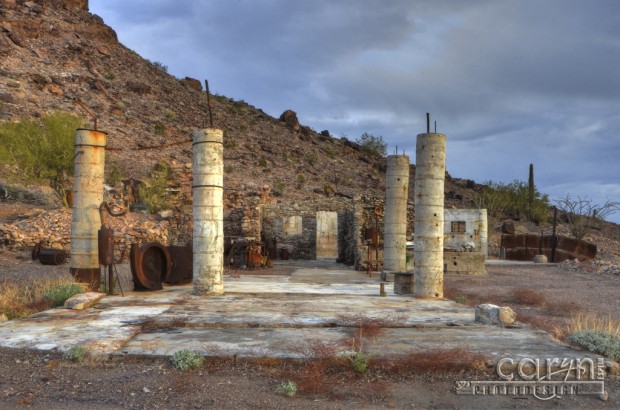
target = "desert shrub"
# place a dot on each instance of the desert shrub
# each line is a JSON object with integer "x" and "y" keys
{"x": 24, "y": 298}
{"x": 57, "y": 295}
{"x": 311, "y": 158}
{"x": 597, "y": 341}
{"x": 462, "y": 299}
{"x": 169, "y": 114}
{"x": 43, "y": 151}
{"x": 76, "y": 354}
{"x": 289, "y": 388}
{"x": 116, "y": 173}
{"x": 529, "y": 297}
{"x": 187, "y": 360}
{"x": 583, "y": 215}
{"x": 262, "y": 161}
{"x": 513, "y": 200}
{"x": 160, "y": 128}
{"x": 373, "y": 145}
{"x": 160, "y": 66}
{"x": 153, "y": 193}
{"x": 359, "y": 360}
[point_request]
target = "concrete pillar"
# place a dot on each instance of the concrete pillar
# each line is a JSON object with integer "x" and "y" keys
{"x": 208, "y": 211}
{"x": 395, "y": 222}
{"x": 483, "y": 231}
{"x": 87, "y": 197}
{"x": 429, "y": 215}
{"x": 326, "y": 235}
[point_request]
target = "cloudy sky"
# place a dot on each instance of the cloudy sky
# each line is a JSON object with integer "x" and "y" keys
{"x": 509, "y": 82}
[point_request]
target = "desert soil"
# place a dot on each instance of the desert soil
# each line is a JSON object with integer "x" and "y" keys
{"x": 545, "y": 296}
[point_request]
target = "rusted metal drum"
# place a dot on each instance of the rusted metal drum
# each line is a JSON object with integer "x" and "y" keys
{"x": 52, "y": 256}
{"x": 150, "y": 265}
{"x": 182, "y": 263}
{"x": 106, "y": 246}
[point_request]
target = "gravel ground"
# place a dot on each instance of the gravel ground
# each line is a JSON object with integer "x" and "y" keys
{"x": 32, "y": 379}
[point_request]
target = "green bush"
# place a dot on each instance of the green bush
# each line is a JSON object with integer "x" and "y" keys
{"x": 159, "y": 65}
{"x": 359, "y": 361}
{"x": 76, "y": 354}
{"x": 43, "y": 151}
{"x": 57, "y": 295}
{"x": 372, "y": 144}
{"x": 597, "y": 341}
{"x": 153, "y": 192}
{"x": 513, "y": 200}
{"x": 187, "y": 359}
{"x": 289, "y": 388}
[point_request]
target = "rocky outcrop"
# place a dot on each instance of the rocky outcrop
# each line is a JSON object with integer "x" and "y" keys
{"x": 290, "y": 118}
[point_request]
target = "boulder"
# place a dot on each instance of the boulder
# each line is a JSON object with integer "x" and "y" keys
{"x": 290, "y": 118}
{"x": 489, "y": 314}
{"x": 192, "y": 83}
{"x": 540, "y": 259}
{"x": 83, "y": 300}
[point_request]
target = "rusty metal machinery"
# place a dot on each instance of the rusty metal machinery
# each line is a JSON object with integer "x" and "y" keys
{"x": 182, "y": 265}
{"x": 105, "y": 244}
{"x": 52, "y": 256}
{"x": 150, "y": 265}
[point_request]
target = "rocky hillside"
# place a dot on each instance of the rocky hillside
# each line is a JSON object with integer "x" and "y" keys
{"x": 55, "y": 55}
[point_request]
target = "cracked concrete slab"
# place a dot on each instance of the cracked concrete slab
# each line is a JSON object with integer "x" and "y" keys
{"x": 276, "y": 316}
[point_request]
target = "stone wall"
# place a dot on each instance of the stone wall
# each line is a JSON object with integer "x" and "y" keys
{"x": 292, "y": 228}
{"x": 52, "y": 229}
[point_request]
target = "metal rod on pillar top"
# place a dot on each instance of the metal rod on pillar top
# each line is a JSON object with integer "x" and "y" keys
{"x": 428, "y": 123}
{"x": 435, "y": 127}
{"x": 209, "y": 103}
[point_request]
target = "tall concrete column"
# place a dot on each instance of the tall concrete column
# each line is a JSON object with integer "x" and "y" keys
{"x": 87, "y": 197}
{"x": 483, "y": 231}
{"x": 395, "y": 222}
{"x": 429, "y": 215}
{"x": 208, "y": 211}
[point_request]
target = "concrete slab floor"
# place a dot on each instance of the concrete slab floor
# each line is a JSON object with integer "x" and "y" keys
{"x": 277, "y": 316}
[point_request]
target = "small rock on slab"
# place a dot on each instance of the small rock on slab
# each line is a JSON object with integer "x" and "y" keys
{"x": 83, "y": 300}
{"x": 489, "y": 314}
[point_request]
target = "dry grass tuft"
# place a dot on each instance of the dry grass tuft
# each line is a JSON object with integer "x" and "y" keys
{"x": 529, "y": 297}
{"x": 23, "y": 299}
{"x": 450, "y": 360}
{"x": 369, "y": 327}
{"x": 552, "y": 325}
{"x": 595, "y": 323}
{"x": 563, "y": 309}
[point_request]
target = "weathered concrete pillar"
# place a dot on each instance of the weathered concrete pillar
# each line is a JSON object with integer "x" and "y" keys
{"x": 483, "y": 231}
{"x": 395, "y": 222}
{"x": 429, "y": 215}
{"x": 87, "y": 197}
{"x": 208, "y": 211}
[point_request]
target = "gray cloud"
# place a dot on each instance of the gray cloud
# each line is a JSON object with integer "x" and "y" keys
{"x": 509, "y": 82}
